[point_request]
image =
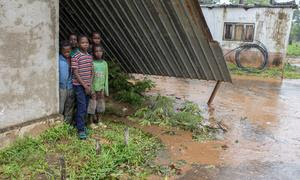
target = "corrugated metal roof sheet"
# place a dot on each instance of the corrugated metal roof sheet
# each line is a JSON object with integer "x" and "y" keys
{"x": 158, "y": 37}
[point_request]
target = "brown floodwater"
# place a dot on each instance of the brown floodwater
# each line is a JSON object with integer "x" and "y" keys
{"x": 263, "y": 140}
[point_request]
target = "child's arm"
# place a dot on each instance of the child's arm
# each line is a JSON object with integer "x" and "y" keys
{"x": 106, "y": 80}
{"x": 93, "y": 74}
{"x": 79, "y": 78}
{"x": 93, "y": 77}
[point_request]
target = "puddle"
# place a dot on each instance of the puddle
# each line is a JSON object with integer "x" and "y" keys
{"x": 263, "y": 140}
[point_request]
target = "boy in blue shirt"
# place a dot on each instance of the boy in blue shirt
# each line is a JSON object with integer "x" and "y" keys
{"x": 66, "y": 93}
{"x": 74, "y": 44}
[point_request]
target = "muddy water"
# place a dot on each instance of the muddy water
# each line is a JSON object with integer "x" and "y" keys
{"x": 263, "y": 141}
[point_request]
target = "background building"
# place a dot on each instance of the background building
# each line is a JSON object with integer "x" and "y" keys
{"x": 233, "y": 25}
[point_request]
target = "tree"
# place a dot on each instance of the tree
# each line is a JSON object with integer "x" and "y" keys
{"x": 295, "y": 30}
{"x": 262, "y": 2}
{"x": 209, "y": 1}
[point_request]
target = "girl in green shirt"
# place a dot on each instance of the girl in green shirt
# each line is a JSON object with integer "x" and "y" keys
{"x": 99, "y": 85}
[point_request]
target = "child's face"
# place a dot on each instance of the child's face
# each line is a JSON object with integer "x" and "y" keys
{"x": 66, "y": 51}
{"x": 98, "y": 53}
{"x": 96, "y": 39}
{"x": 84, "y": 44}
{"x": 73, "y": 41}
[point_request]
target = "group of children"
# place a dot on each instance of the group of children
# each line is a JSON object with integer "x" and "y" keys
{"x": 83, "y": 81}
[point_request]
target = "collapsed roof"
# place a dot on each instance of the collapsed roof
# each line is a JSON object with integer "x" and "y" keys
{"x": 157, "y": 37}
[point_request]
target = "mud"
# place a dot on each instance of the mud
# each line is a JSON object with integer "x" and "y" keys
{"x": 263, "y": 141}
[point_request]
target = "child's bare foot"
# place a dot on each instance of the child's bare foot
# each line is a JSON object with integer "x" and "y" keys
{"x": 93, "y": 126}
{"x": 100, "y": 124}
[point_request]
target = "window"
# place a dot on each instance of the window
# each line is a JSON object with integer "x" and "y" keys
{"x": 249, "y": 33}
{"x": 238, "y": 32}
{"x": 228, "y": 31}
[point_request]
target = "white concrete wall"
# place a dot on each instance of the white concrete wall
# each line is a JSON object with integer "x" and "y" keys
{"x": 272, "y": 25}
{"x": 28, "y": 60}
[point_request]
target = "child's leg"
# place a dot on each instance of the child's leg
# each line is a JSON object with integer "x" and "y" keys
{"x": 100, "y": 104}
{"x": 92, "y": 108}
{"x": 92, "y": 104}
{"x": 82, "y": 100}
{"x": 69, "y": 105}
{"x": 62, "y": 100}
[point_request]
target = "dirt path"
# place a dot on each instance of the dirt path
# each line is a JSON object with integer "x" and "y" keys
{"x": 264, "y": 137}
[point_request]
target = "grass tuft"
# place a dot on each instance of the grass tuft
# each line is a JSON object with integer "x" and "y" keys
{"x": 293, "y": 49}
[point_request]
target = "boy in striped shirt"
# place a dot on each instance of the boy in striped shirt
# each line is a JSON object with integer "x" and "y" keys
{"x": 82, "y": 64}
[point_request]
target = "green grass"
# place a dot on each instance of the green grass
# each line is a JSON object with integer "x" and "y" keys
{"x": 33, "y": 158}
{"x": 290, "y": 71}
{"x": 293, "y": 49}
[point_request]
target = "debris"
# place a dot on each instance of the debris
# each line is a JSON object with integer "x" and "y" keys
{"x": 210, "y": 167}
{"x": 178, "y": 171}
{"x": 172, "y": 133}
{"x": 223, "y": 126}
{"x": 183, "y": 146}
{"x": 180, "y": 163}
{"x": 236, "y": 141}
{"x": 243, "y": 118}
{"x": 213, "y": 124}
{"x": 224, "y": 147}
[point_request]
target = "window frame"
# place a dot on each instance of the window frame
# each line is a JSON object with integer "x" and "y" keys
{"x": 234, "y": 24}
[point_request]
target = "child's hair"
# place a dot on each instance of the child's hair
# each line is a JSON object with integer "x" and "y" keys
{"x": 72, "y": 34}
{"x": 98, "y": 46}
{"x": 64, "y": 44}
{"x": 82, "y": 36}
{"x": 95, "y": 32}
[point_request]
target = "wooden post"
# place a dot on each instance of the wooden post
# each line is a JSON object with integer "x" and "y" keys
{"x": 213, "y": 94}
{"x": 98, "y": 147}
{"x": 62, "y": 168}
{"x": 126, "y": 135}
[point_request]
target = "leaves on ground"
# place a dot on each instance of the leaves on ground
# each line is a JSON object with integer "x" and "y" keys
{"x": 163, "y": 111}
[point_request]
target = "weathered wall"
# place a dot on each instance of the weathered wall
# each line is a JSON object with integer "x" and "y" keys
{"x": 272, "y": 27}
{"x": 28, "y": 60}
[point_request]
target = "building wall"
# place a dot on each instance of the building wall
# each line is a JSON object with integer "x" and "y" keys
{"x": 272, "y": 27}
{"x": 28, "y": 60}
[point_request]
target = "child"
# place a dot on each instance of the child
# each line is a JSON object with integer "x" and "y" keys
{"x": 74, "y": 44}
{"x": 99, "y": 85}
{"x": 66, "y": 94}
{"x": 82, "y": 64}
{"x": 96, "y": 40}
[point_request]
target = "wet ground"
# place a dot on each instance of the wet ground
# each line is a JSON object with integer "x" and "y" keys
{"x": 263, "y": 141}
